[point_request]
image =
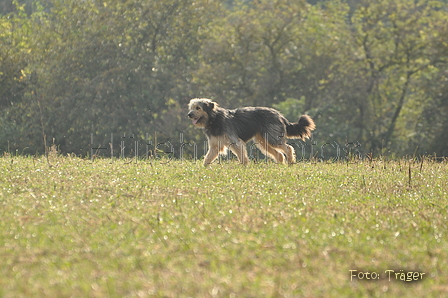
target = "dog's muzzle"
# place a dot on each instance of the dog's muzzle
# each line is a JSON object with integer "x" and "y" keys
{"x": 194, "y": 118}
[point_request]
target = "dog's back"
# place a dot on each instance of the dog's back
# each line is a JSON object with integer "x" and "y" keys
{"x": 250, "y": 121}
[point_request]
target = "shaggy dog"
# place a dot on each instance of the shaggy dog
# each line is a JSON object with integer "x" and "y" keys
{"x": 234, "y": 128}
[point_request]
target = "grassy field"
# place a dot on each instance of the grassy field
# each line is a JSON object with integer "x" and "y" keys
{"x": 75, "y": 228}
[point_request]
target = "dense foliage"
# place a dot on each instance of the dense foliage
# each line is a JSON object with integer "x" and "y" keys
{"x": 371, "y": 72}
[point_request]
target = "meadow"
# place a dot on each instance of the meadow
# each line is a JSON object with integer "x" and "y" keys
{"x": 72, "y": 227}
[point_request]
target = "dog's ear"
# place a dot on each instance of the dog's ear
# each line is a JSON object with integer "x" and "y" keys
{"x": 210, "y": 106}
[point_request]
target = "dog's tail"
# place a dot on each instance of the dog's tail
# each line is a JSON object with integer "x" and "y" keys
{"x": 301, "y": 129}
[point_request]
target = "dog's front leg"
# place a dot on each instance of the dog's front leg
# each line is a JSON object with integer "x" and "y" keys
{"x": 211, "y": 155}
{"x": 239, "y": 149}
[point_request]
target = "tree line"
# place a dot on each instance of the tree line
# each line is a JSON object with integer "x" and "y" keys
{"x": 372, "y": 72}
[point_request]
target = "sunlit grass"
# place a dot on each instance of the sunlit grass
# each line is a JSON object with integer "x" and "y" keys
{"x": 73, "y": 227}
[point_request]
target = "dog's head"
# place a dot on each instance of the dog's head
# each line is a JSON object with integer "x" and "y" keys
{"x": 200, "y": 110}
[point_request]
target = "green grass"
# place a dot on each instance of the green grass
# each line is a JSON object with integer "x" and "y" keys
{"x": 76, "y": 228}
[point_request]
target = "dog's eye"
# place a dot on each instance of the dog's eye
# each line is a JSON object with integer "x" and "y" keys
{"x": 198, "y": 108}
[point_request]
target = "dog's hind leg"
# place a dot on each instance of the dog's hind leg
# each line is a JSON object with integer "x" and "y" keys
{"x": 269, "y": 149}
{"x": 289, "y": 152}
